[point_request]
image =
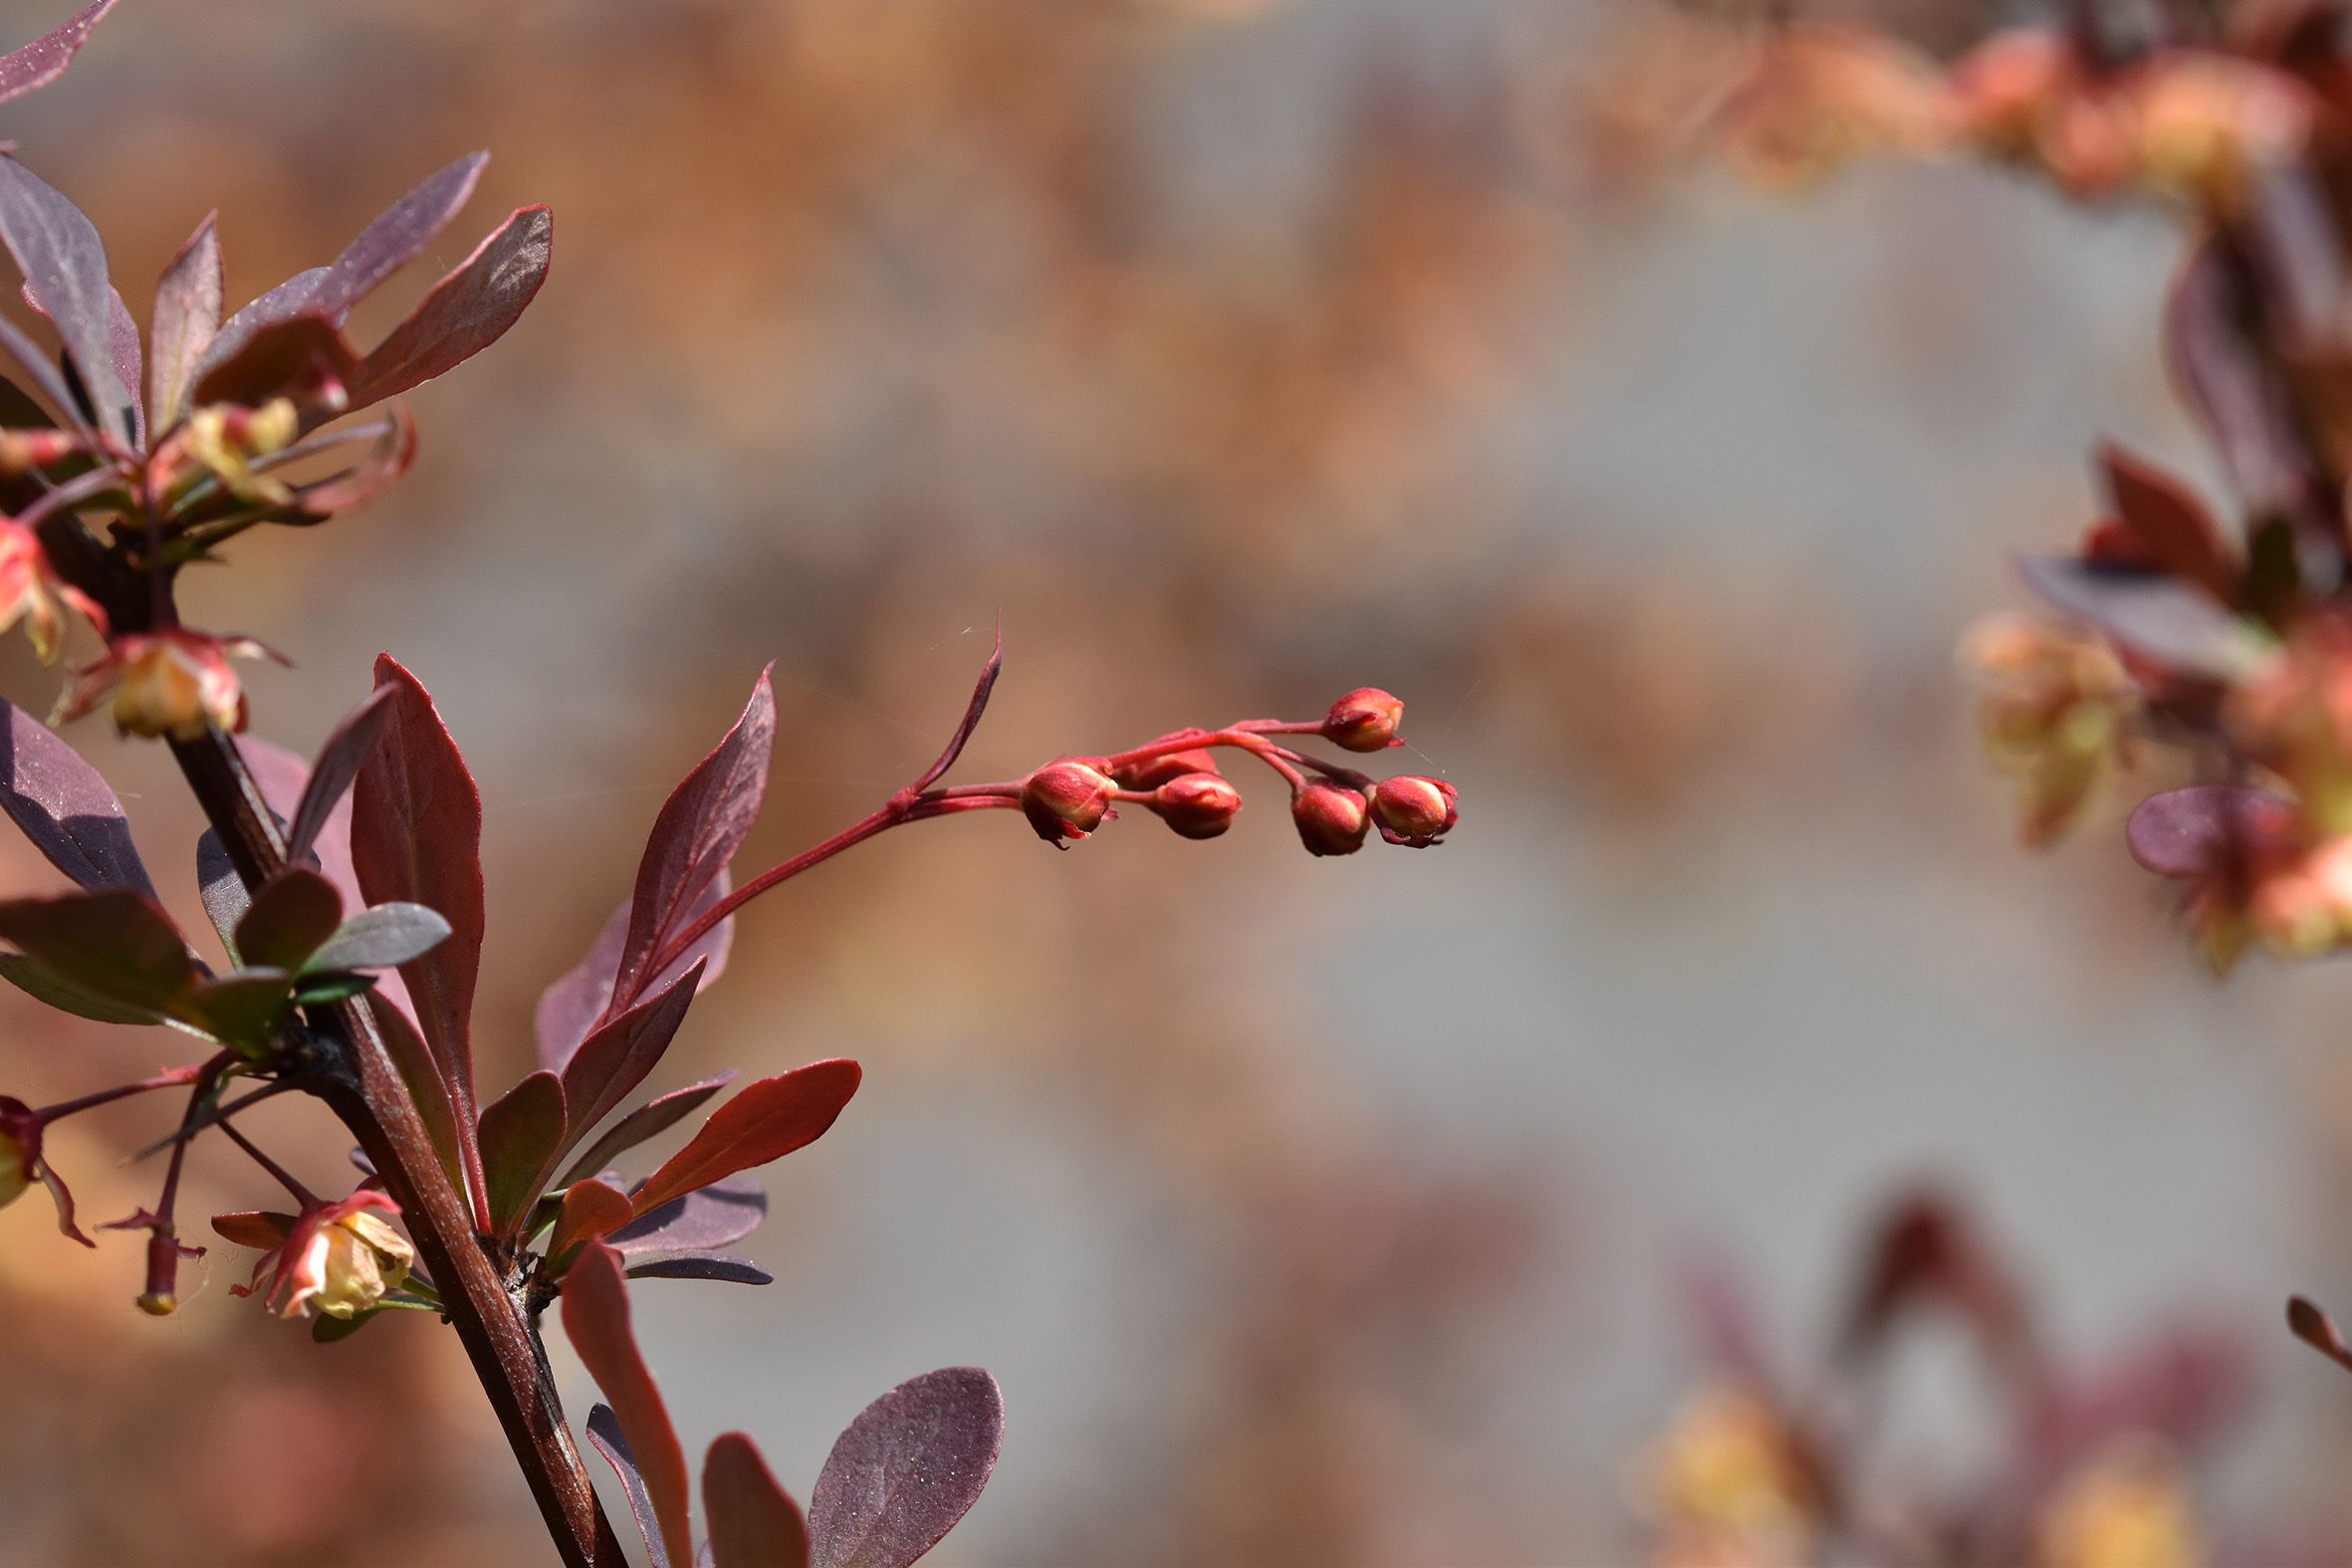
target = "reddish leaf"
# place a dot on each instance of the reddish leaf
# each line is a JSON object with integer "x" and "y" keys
{"x": 296, "y": 911}
{"x": 753, "y": 1521}
{"x": 117, "y": 945}
{"x": 597, "y": 1321}
{"x": 766, "y": 1121}
{"x": 414, "y": 1063}
{"x": 185, "y": 318}
{"x": 972, "y": 712}
{"x": 718, "y": 1215}
{"x": 357, "y": 486}
{"x": 618, "y": 1056}
{"x": 122, "y": 350}
{"x": 649, "y": 1120}
{"x": 605, "y": 1437}
{"x": 2226, "y": 386}
{"x": 591, "y": 1209}
{"x": 2316, "y": 1329}
{"x": 700, "y": 828}
{"x": 909, "y": 1467}
{"x": 44, "y": 59}
{"x": 571, "y": 1006}
{"x": 416, "y": 838}
{"x": 65, "y": 265}
{"x": 288, "y": 299}
{"x": 398, "y": 237}
{"x": 60, "y": 804}
{"x": 260, "y": 1229}
{"x": 2172, "y": 528}
{"x": 340, "y": 759}
{"x": 2191, "y": 832}
{"x": 521, "y": 1136}
{"x": 466, "y": 312}
{"x": 296, "y": 358}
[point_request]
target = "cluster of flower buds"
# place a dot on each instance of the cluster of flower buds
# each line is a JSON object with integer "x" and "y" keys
{"x": 1177, "y": 779}
{"x": 2193, "y": 124}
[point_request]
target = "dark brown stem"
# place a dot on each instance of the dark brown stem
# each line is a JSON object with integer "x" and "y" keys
{"x": 373, "y": 1102}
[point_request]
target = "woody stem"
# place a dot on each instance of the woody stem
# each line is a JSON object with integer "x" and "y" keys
{"x": 371, "y": 1099}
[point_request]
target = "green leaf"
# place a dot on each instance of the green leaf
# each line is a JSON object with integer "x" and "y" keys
{"x": 312, "y": 989}
{"x": 383, "y": 937}
{"x": 245, "y": 1009}
{"x": 37, "y": 982}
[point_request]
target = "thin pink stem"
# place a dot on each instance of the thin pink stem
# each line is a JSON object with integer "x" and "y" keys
{"x": 164, "y": 1080}
{"x": 301, "y": 1195}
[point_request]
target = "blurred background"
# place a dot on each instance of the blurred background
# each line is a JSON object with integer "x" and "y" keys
{"x": 1237, "y": 353}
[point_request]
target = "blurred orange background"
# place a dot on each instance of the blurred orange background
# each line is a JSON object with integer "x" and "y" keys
{"x": 1236, "y": 352}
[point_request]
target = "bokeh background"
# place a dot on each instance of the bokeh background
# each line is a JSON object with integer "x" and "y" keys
{"x": 1236, "y": 352}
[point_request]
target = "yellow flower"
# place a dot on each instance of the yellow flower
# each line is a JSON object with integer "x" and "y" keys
{"x": 1725, "y": 1486}
{"x": 2054, "y": 713}
{"x": 2127, "y": 1508}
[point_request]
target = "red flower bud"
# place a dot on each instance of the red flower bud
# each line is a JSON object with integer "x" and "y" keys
{"x": 1332, "y": 819}
{"x": 1157, "y": 771}
{"x": 1067, "y": 799}
{"x": 1414, "y": 811}
{"x": 1364, "y": 720}
{"x": 1197, "y": 805}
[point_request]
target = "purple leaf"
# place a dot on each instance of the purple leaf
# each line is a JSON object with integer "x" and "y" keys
{"x": 766, "y": 1121}
{"x": 466, "y": 312}
{"x": 60, "y": 804}
{"x": 185, "y": 320}
{"x": 700, "y": 828}
{"x": 44, "y": 375}
{"x": 295, "y": 912}
{"x": 287, "y": 300}
{"x": 44, "y": 59}
{"x": 718, "y": 1215}
{"x": 2226, "y": 386}
{"x": 521, "y": 1136}
{"x": 123, "y": 347}
{"x": 296, "y": 358}
{"x": 2153, "y": 617}
{"x": 65, "y": 266}
{"x": 597, "y": 1321}
{"x": 906, "y": 1471}
{"x": 649, "y": 1120}
{"x": 416, "y": 838}
{"x": 605, "y": 1437}
{"x": 753, "y": 1521}
{"x": 396, "y": 238}
{"x": 2191, "y": 832}
{"x": 338, "y": 764}
{"x": 115, "y": 945}
{"x": 571, "y": 1006}
{"x": 703, "y": 1266}
{"x": 618, "y": 1056}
